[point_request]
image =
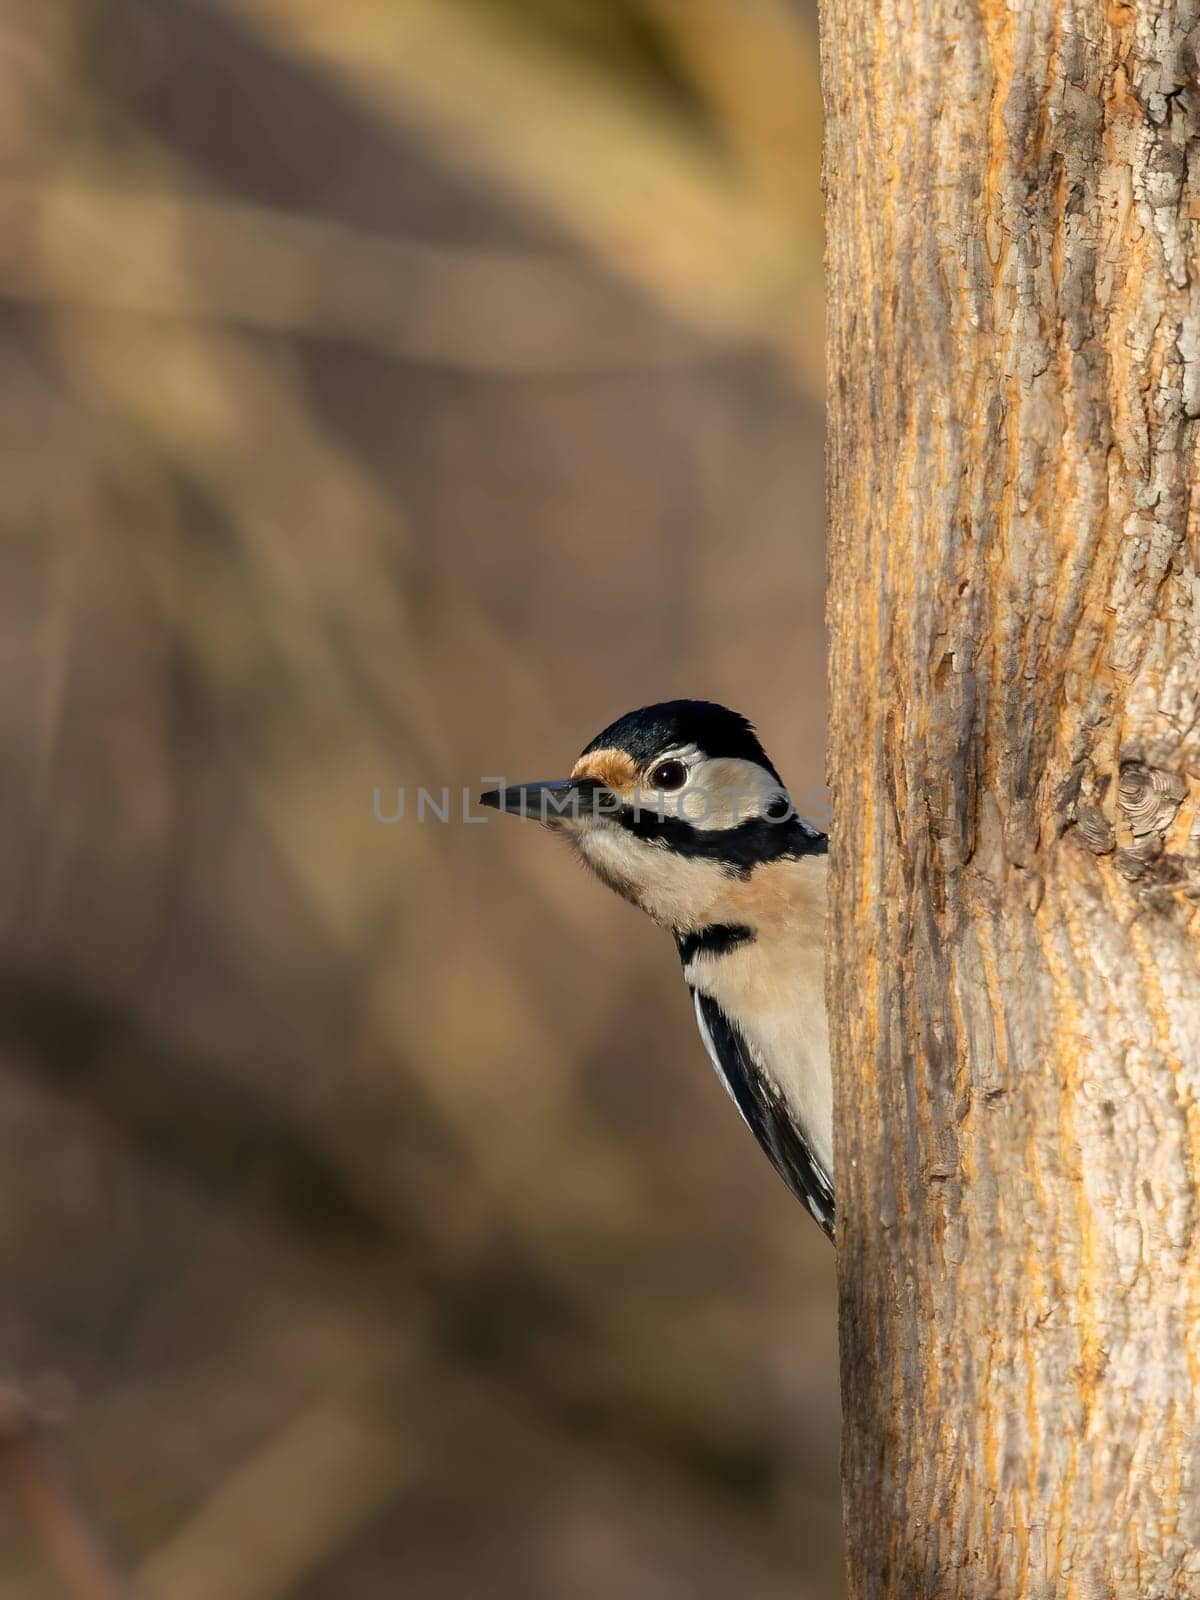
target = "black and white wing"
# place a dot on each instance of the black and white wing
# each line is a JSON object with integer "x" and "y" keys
{"x": 764, "y": 1111}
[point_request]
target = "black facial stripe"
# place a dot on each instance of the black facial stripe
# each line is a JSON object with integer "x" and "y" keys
{"x": 741, "y": 849}
{"x": 715, "y": 940}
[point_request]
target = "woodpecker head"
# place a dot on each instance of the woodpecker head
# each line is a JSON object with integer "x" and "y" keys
{"x": 673, "y": 806}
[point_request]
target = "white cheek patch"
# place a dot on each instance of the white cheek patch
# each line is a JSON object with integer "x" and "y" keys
{"x": 675, "y": 891}
{"x": 720, "y": 793}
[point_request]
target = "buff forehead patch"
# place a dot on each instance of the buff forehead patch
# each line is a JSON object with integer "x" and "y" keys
{"x": 613, "y": 768}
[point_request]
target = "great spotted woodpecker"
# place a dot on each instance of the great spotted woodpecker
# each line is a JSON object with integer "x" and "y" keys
{"x": 679, "y": 809}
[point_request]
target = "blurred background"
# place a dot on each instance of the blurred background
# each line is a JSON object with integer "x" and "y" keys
{"x": 393, "y": 392}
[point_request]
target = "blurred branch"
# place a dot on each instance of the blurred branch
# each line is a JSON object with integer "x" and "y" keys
{"x": 164, "y": 253}
{"x": 31, "y": 1469}
{"x": 755, "y": 64}
{"x": 330, "y": 1468}
{"x": 645, "y": 190}
{"x": 218, "y": 413}
{"x": 512, "y": 1320}
{"x": 179, "y": 1113}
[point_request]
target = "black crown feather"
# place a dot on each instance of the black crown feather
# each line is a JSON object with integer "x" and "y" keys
{"x": 716, "y": 730}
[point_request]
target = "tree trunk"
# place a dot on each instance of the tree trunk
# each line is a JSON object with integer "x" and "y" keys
{"x": 1014, "y": 377}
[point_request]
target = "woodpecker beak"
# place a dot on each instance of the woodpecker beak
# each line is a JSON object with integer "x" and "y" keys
{"x": 565, "y": 800}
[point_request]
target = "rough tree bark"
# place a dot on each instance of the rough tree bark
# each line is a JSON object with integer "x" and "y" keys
{"x": 1014, "y": 378}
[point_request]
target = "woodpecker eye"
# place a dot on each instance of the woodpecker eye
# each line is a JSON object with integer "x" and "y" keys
{"x": 669, "y": 775}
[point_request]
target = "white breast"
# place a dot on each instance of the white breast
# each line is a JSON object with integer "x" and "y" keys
{"x": 773, "y": 989}
{"x": 783, "y": 1021}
